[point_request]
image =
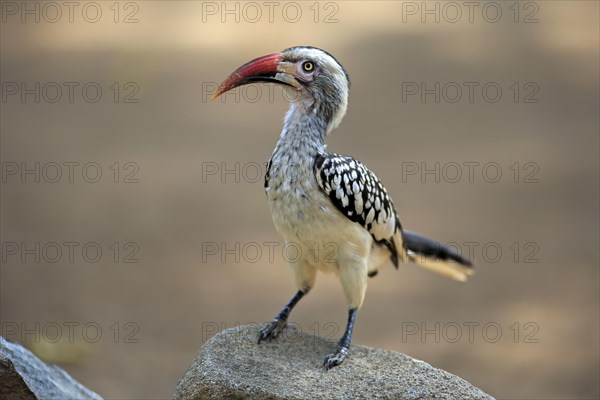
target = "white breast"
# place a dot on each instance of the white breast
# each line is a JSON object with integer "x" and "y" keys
{"x": 307, "y": 219}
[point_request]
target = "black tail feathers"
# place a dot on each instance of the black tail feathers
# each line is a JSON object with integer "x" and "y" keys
{"x": 433, "y": 255}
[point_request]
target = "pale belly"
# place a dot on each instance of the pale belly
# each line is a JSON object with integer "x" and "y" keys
{"x": 317, "y": 234}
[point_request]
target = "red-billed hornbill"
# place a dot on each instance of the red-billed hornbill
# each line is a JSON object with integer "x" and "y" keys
{"x": 320, "y": 199}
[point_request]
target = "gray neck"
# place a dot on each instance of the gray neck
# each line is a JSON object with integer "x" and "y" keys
{"x": 303, "y": 135}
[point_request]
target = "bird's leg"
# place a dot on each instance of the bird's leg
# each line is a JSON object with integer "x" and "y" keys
{"x": 275, "y": 327}
{"x": 343, "y": 347}
{"x": 353, "y": 276}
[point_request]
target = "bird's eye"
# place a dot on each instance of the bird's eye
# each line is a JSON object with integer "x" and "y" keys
{"x": 308, "y": 66}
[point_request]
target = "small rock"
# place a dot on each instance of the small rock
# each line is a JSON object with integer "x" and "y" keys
{"x": 24, "y": 376}
{"x": 232, "y": 366}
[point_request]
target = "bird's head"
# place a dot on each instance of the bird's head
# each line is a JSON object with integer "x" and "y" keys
{"x": 318, "y": 81}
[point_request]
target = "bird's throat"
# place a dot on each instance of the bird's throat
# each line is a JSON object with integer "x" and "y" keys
{"x": 303, "y": 133}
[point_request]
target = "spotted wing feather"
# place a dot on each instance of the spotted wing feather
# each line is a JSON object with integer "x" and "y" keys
{"x": 360, "y": 196}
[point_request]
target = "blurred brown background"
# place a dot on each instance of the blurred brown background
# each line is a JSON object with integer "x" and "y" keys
{"x": 533, "y": 309}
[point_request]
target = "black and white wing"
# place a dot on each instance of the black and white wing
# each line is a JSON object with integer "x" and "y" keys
{"x": 361, "y": 197}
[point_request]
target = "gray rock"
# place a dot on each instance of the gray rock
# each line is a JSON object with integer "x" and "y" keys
{"x": 232, "y": 366}
{"x": 24, "y": 376}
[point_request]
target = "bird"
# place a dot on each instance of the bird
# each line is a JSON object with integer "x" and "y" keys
{"x": 321, "y": 200}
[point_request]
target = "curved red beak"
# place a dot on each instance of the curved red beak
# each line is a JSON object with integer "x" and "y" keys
{"x": 261, "y": 69}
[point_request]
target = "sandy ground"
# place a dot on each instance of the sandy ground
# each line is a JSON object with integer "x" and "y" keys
{"x": 185, "y": 201}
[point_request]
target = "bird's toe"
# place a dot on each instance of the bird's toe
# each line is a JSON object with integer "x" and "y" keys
{"x": 272, "y": 330}
{"x": 335, "y": 359}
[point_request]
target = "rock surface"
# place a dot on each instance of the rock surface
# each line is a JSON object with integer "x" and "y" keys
{"x": 232, "y": 366}
{"x": 24, "y": 376}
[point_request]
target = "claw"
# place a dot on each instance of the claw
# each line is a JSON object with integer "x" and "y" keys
{"x": 335, "y": 359}
{"x": 272, "y": 330}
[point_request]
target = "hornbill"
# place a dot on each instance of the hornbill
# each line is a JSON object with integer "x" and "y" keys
{"x": 320, "y": 199}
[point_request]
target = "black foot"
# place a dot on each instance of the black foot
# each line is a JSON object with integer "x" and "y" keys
{"x": 272, "y": 330}
{"x": 334, "y": 359}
